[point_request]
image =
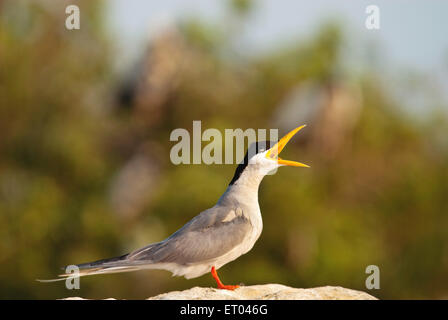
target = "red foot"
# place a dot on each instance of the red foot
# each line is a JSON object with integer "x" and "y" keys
{"x": 228, "y": 286}
{"x": 220, "y": 284}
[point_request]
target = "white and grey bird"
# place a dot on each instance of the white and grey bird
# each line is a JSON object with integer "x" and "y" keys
{"x": 217, "y": 235}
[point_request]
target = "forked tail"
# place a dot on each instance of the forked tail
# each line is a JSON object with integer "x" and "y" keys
{"x": 111, "y": 265}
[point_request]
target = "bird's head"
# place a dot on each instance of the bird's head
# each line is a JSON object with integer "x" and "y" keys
{"x": 262, "y": 157}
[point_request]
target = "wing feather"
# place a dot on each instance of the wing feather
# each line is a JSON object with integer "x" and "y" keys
{"x": 209, "y": 235}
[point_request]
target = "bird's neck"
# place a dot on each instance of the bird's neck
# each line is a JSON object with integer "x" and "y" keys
{"x": 245, "y": 189}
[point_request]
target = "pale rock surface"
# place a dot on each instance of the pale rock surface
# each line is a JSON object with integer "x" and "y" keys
{"x": 264, "y": 292}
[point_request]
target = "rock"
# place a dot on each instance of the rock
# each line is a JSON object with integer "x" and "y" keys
{"x": 266, "y": 292}
{"x": 263, "y": 292}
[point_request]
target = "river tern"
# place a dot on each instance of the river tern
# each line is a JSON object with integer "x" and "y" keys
{"x": 217, "y": 235}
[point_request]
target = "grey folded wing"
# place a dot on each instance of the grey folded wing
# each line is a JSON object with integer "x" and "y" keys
{"x": 209, "y": 235}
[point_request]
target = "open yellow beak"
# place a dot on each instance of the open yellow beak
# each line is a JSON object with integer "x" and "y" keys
{"x": 275, "y": 150}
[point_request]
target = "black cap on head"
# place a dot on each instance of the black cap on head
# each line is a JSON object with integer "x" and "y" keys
{"x": 254, "y": 148}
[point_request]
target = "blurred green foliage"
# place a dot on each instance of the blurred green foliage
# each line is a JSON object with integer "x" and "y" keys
{"x": 379, "y": 199}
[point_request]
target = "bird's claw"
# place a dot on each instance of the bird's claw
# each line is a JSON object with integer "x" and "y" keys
{"x": 228, "y": 287}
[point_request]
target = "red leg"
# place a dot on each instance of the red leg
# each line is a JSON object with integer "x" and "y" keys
{"x": 220, "y": 284}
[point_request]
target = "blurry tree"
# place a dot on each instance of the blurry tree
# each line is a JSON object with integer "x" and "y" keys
{"x": 53, "y": 162}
